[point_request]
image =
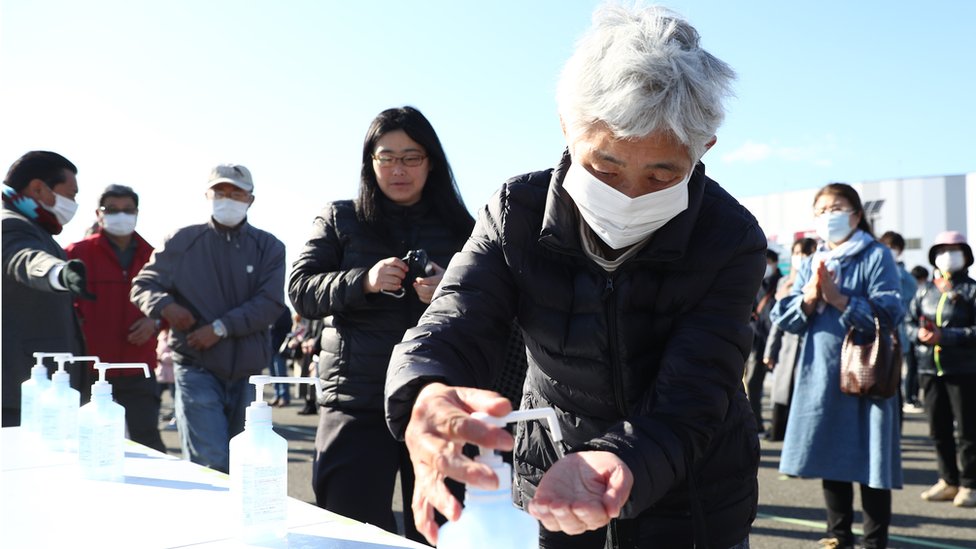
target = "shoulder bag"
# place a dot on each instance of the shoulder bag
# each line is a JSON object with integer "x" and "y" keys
{"x": 870, "y": 363}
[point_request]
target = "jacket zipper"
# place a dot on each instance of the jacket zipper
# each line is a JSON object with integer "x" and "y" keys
{"x": 618, "y": 388}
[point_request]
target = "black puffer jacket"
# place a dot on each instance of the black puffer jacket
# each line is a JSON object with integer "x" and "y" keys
{"x": 361, "y": 329}
{"x": 646, "y": 362}
{"x": 955, "y": 314}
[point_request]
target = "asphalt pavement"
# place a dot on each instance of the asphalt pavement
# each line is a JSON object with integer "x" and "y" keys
{"x": 791, "y": 510}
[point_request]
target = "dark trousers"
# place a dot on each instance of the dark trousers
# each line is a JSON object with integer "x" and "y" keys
{"x": 952, "y": 399}
{"x": 755, "y": 376}
{"x": 355, "y": 468}
{"x": 910, "y": 385}
{"x": 839, "y": 497}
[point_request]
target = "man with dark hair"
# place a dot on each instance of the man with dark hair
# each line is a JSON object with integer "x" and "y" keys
{"x": 38, "y": 279}
{"x": 755, "y": 367}
{"x": 116, "y": 331}
{"x": 896, "y": 243}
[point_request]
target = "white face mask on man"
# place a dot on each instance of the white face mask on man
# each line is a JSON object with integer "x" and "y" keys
{"x": 63, "y": 209}
{"x": 617, "y": 219}
{"x": 229, "y": 212}
{"x": 119, "y": 224}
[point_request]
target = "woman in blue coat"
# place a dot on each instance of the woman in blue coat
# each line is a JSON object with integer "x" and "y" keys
{"x": 839, "y": 438}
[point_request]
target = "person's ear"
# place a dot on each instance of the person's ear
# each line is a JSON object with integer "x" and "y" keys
{"x": 34, "y": 188}
{"x": 711, "y": 143}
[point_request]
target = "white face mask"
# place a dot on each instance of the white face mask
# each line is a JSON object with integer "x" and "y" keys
{"x": 119, "y": 224}
{"x": 769, "y": 271}
{"x": 796, "y": 262}
{"x": 618, "y": 219}
{"x": 63, "y": 209}
{"x": 833, "y": 227}
{"x": 950, "y": 261}
{"x": 229, "y": 212}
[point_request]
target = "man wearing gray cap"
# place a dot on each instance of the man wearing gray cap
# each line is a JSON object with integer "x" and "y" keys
{"x": 220, "y": 285}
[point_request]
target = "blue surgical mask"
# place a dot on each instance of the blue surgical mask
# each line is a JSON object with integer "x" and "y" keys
{"x": 834, "y": 227}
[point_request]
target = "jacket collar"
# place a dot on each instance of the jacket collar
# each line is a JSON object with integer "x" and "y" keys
{"x": 233, "y": 232}
{"x": 561, "y": 219}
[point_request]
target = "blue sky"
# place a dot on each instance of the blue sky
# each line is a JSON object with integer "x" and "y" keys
{"x": 153, "y": 94}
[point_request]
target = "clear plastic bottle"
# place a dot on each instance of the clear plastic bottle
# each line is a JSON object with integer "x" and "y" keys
{"x": 30, "y": 394}
{"x": 59, "y": 406}
{"x": 489, "y": 519}
{"x": 259, "y": 468}
{"x": 101, "y": 429}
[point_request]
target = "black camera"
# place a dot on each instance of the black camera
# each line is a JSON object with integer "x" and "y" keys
{"x": 418, "y": 264}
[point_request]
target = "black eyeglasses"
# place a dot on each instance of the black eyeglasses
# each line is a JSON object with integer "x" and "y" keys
{"x": 409, "y": 160}
{"x": 110, "y": 211}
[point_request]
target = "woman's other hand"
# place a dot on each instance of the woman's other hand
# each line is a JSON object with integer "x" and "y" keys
{"x": 425, "y": 287}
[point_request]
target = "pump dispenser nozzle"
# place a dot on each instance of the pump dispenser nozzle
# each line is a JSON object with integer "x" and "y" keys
{"x": 102, "y": 386}
{"x": 259, "y": 409}
{"x": 492, "y": 458}
{"x": 69, "y": 358}
{"x": 39, "y": 368}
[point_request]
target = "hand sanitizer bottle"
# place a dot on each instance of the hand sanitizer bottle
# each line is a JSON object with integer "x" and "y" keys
{"x": 259, "y": 468}
{"x": 30, "y": 392}
{"x": 59, "y": 408}
{"x": 489, "y": 519}
{"x": 101, "y": 429}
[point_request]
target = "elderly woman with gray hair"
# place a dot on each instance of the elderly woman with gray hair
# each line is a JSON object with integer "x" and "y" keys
{"x": 631, "y": 275}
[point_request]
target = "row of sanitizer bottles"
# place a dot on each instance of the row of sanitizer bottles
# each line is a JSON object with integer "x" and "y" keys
{"x": 52, "y": 416}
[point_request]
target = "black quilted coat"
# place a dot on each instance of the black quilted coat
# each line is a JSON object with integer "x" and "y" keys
{"x": 361, "y": 329}
{"x": 645, "y": 362}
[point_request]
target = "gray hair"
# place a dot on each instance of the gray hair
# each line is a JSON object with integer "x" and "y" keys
{"x": 639, "y": 71}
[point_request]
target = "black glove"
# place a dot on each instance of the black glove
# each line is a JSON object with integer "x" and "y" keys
{"x": 73, "y": 277}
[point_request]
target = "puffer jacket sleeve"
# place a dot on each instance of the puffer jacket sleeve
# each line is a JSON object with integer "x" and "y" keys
{"x": 477, "y": 298}
{"x": 701, "y": 371}
{"x": 317, "y": 287}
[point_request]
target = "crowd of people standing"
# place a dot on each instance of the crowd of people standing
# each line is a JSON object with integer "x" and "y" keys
{"x": 649, "y": 308}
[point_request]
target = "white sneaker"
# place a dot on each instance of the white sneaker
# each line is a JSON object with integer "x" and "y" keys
{"x": 941, "y": 491}
{"x": 965, "y": 498}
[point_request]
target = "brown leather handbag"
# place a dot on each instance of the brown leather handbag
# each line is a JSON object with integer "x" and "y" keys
{"x": 870, "y": 363}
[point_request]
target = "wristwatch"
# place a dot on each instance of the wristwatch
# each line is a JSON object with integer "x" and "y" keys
{"x": 219, "y": 329}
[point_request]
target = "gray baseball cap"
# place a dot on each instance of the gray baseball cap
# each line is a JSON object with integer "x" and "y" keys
{"x": 235, "y": 174}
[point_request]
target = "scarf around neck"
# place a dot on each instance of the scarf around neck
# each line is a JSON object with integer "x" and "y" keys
{"x": 31, "y": 209}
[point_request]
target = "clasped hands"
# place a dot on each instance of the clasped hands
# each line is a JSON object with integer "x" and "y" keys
{"x": 821, "y": 287}
{"x": 580, "y": 492}
{"x": 388, "y": 275}
{"x": 180, "y": 318}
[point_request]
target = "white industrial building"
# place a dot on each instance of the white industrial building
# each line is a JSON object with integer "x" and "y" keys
{"x": 918, "y": 208}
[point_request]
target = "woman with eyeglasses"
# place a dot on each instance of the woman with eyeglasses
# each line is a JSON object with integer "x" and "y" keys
{"x": 352, "y": 272}
{"x": 832, "y": 436}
